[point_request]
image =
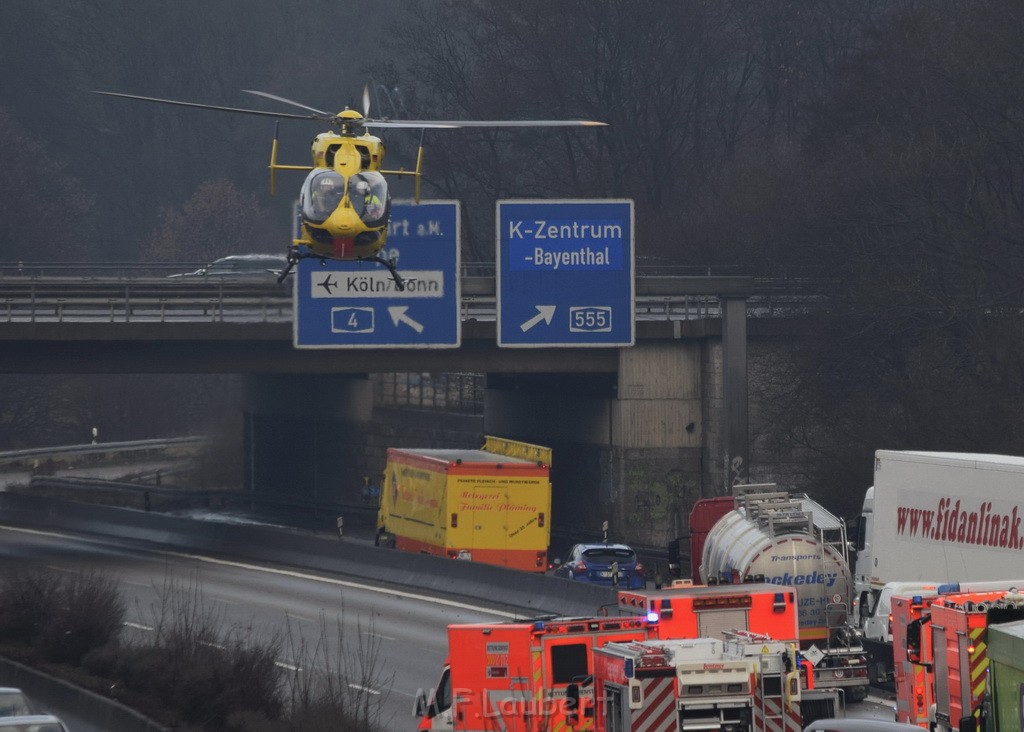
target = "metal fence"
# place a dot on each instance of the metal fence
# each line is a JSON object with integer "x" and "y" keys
{"x": 461, "y": 393}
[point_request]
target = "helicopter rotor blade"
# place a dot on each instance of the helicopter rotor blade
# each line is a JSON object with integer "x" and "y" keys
{"x": 455, "y": 123}
{"x": 283, "y": 115}
{"x": 287, "y": 101}
{"x": 322, "y": 116}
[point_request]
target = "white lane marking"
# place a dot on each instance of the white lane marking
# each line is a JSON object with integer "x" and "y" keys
{"x": 357, "y": 687}
{"x": 137, "y": 626}
{"x": 283, "y": 573}
{"x": 287, "y": 666}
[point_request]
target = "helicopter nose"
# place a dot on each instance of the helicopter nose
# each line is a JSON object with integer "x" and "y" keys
{"x": 344, "y": 221}
{"x": 342, "y": 246}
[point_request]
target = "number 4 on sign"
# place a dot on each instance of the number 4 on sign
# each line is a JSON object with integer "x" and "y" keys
{"x": 351, "y": 320}
{"x": 544, "y": 312}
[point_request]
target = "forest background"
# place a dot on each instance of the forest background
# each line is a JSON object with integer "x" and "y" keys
{"x": 876, "y": 145}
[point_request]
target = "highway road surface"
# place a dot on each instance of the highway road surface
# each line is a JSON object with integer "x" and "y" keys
{"x": 406, "y": 629}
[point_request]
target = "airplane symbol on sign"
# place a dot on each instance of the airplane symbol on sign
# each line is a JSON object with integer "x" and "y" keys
{"x": 328, "y": 283}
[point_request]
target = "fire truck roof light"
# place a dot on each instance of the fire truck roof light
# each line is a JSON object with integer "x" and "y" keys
{"x": 916, "y": 600}
{"x": 538, "y": 626}
{"x": 652, "y": 617}
{"x": 948, "y": 588}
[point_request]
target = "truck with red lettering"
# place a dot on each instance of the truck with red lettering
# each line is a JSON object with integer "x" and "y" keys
{"x": 933, "y": 518}
{"x": 491, "y": 505}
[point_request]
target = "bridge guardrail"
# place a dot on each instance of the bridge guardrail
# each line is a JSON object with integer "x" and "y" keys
{"x": 15, "y": 457}
{"x": 155, "y": 299}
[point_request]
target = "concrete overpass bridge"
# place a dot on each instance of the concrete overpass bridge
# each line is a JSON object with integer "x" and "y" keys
{"x": 639, "y": 433}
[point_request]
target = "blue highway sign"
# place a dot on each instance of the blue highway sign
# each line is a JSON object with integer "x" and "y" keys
{"x": 565, "y": 273}
{"x": 356, "y": 304}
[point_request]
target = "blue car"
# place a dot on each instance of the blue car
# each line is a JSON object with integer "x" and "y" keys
{"x": 598, "y": 563}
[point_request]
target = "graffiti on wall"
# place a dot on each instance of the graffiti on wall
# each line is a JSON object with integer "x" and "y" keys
{"x": 657, "y": 500}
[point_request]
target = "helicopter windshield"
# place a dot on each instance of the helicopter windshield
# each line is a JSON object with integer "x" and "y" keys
{"x": 321, "y": 194}
{"x": 368, "y": 192}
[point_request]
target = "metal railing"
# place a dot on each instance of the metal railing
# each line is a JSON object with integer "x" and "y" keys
{"x": 461, "y": 393}
{"x": 101, "y": 449}
{"x": 117, "y": 299}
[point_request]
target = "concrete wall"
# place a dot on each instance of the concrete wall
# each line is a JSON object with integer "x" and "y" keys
{"x": 659, "y": 396}
{"x": 636, "y": 447}
{"x": 630, "y": 452}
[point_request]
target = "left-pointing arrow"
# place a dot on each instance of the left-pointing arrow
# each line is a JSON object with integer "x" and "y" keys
{"x": 397, "y": 313}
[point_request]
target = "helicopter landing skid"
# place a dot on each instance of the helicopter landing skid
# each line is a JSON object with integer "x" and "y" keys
{"x": 287, "y": 269}
{"x": 389, "y": 263}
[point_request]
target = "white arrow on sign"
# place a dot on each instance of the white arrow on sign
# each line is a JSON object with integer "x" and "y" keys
{"x": 397, "y": 313}
{"x": 544, "y": 312}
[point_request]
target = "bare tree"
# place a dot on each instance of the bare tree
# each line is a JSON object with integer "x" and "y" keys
{"x": 216, "y": 221}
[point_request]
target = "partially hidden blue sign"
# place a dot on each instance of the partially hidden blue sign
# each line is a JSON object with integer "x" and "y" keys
{"x": 565, "y": 273}
{"x": 355, "y": 304}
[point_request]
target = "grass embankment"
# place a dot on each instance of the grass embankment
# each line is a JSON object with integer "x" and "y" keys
{"x": 184, "y": 666}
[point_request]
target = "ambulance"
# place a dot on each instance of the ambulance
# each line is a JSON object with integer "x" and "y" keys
{"x": 530, "y": 676}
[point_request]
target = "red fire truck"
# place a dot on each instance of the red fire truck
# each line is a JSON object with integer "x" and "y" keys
{"x": 912, "y": 658}
{"x": 694, "y": 611}
{"x": 743, "y": 682}
{"x": 522, "y": 676}
{"x": 941, "y": 658}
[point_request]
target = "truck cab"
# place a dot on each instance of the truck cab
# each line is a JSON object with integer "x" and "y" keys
{"x": 863, "y": 601}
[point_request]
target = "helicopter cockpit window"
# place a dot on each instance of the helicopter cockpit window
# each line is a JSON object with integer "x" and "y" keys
{"x": 321, "y": 194}
{"x": 368, "y": 192}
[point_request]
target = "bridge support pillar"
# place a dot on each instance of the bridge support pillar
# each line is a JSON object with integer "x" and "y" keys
{"x": 306, "y": 436}
{"x": 627, "y": 446}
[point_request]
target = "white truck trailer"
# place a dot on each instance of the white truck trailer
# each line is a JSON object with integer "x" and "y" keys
{"x": 934, "y": 518}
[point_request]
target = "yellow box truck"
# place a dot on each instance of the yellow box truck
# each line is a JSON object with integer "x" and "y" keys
{"x": 490, "y": 505}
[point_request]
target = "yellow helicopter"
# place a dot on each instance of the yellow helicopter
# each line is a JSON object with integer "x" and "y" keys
{"x": 344, "y": 203}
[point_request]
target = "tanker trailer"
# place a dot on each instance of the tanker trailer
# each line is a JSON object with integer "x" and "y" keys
{"x": 784, "y": 539}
